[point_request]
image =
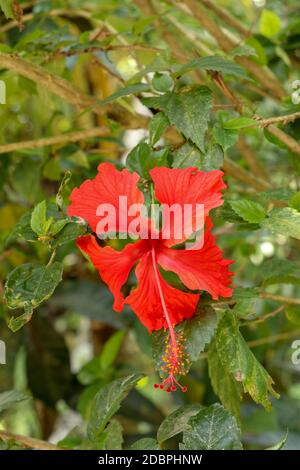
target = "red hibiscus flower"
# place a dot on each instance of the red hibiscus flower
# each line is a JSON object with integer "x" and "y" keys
{"x": 156, "y": 303}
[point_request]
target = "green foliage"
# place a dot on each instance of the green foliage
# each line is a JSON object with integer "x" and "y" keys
{"x": 251, "y": 211}
{"x": 198, "y": 332}
{"x": 107, "y": 402}
{"x": 9, "y": 398}
{"x": 239, "y": 361}
{"x": 212, "y": 428}
{"x": 205, "y": 91}
{"x": 285, "y": 221}
{"x": 29, "y": 285}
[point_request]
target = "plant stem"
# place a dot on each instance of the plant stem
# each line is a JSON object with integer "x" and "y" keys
{"x": 28, "y": 442}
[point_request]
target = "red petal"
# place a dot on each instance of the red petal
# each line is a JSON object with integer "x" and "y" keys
{"x": 113, "y": 266}
{"x": 105, "y": 188}
{"x": 146, "y": 303}
{"x": 187, "y": 186}
{"x": 201, "y": 269}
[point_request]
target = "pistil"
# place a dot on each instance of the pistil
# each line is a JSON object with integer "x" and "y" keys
{"x": 175, "y": 358}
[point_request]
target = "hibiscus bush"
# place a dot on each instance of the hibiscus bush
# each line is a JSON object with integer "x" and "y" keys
{"x": 125, "y": 326}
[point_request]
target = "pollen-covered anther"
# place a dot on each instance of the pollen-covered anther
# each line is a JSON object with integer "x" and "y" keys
{"x": 175, "y": 362}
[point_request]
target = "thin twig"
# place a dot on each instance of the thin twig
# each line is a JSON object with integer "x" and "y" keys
{"x": 280, "y": 298}
{"x": 272, "y": 339}
{"x": 264, "y": 317}
{"x": 55, "y": 140}
{"x": 28, "y": 442}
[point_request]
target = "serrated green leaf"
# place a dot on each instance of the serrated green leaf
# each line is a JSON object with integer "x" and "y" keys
{"x": 142, "y": 159}
{"x": 27, "y": 286}
{"x": 225, "y": 137}
{"x": 251, "y": 211}
{"x": 113, "y": 437}
{"x": 38, "y": 220}
{"x": 215, "y": 63}
{"x": 189, "y": 112}
{"x": 213, "y": 428}
{"x": 158, "y": 124}
{"x": 107, "y": 402}
{"x": 189, "y": 155}
{"x": 276, "y": 270}
{"x": 10, "y": 397}
{"x": 245, "y": 299}
{"x": 269, "y": 23}
{"x": 177, "y": 422}
{"x": 147, "y": 443}
{"x": 225, "y": 386}
{"x": 239, "y": 123}
{"x": 285, "y": 221}
{"x": 240, "y": 362}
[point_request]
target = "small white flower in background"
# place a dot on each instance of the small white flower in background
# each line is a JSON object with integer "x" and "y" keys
{"x": 259, "y": 3}
{"x": 295, "y": 96}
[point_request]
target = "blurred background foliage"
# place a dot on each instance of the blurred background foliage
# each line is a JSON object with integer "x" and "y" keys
{"x": 60, "y": 61}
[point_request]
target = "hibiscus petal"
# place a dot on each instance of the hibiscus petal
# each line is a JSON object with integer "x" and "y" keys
{"x": 113, "y": 266}
{"x": 186, "y": 186}
{"x": 145, "y": 300}
{"x": 200, "y": 269}
{"x": 106, "y": 188}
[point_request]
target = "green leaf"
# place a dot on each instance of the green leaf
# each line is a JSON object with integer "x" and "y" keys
{"x": 38, "y": 220}
{"x": 107, "y": 402}
{"x": 240, "y": 362}
{"x": 113, "y": 436}
{"x": 280, "y": 444}
{"x": 225, "y": 137}
{"x": 213, "y": 428}
{"x": 9, "y": 398}
{"x": 245, "y": 299}
{"x": 276, "y": 270}
{"x": 294, "y": 202}
{"x": 292, "y": 313}
{"x": 269, "y": 23}
{"x": 239, "y": 123}
{"x": 111, "y": 349}
{"x": 198, "y": 332}
{"x": 27, "y": 286}
{"x": 189, "y": 112}
{"x": 213, "y": 158}
{"x": 251, "y": 211}
{"x": 147, "y": 443}
{"x": 129, "y": 90}
{"x": 158, "y": 124}
{"x": 142, "y": 159}
{"x": 215, "y": 63}
{"x": 189, "y": 155}
{"x": 225, "y": 386}
{"x": 285, "y": 221}
{"x": 68, "y": 232}
{"x": 6, "y": 7}
{"x": 162, "y": 82}
{"x": 176, "y": 422}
